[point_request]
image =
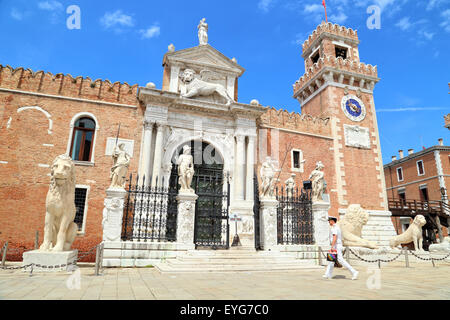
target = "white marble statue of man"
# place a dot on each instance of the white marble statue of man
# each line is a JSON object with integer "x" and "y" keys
{"x": 120, "y": 169}
{"x": 318, "y": 182}
{"x": 290, "y": 186}
{"x": 267, "y": 173}
{"x": 203, "y": 32}
{"x": 186, "y": 170}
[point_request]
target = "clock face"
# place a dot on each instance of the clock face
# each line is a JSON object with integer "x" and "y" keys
{"x": 353, "y": 108}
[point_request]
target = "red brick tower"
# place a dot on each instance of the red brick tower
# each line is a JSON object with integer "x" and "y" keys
{"x": 337, "y": 85}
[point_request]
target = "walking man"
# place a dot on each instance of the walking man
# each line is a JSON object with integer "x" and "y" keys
{"x": 337, "y": 247}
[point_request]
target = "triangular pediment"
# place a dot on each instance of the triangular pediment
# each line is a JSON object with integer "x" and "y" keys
{"x": 206, "y": 56}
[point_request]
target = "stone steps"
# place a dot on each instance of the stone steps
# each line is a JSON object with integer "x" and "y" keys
{"x": 234, "y": 261}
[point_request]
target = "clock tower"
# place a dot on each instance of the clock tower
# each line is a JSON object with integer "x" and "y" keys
{"x": 336, "y": 84}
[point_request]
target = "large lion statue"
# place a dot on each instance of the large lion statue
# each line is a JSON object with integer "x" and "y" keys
{"x": 60, "y": 230}
{"x": 194, "y": 87}
{"x": 413, "y": 234}
{"x": 351, "y": 226}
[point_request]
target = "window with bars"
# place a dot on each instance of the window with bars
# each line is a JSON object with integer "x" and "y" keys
{"x": 80, "y": 204}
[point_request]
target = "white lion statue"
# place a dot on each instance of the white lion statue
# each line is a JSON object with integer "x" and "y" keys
{"x": 441, "y": 247}
{"x": 351, "y": 226}
{"x": 194, "y": 87}
{"x": 60, "y": 230}
{"x": 413, "y": 234}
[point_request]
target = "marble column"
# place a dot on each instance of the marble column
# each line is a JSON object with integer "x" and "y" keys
{"x": 146, "y": 153}
{"x": 239, "y": 176}
{"x": 158, "y": 155}
{"x": 250, "y": 168}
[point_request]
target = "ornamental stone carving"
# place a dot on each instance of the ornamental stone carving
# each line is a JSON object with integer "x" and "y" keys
{"x": 268, "y": 223}
{"x": 60, "y": 230}
{"x": 186, "y": 211}
{"x": 413, "y": 234}
{"x": 267, "y": 173}
{"x": 186, "y": 170}
{"x": 192, "y": 86}
{"x": 357, "y": 137}
{"x": 351, "y": 226}
{"x": 203, "y": 32}
{"x": 318, "y": 182}
{"x": 120, "y": 169}
{"x": 290, "y": 186}
{"x": 112, "y": 215}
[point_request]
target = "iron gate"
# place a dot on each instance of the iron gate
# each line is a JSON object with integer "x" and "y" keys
{"x": 295, "y": 218}
{"x": 212, "y": 228}
{"x": 256, "y": 212}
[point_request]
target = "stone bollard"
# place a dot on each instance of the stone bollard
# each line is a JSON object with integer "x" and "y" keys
{"x": 186, "y": 219}
{"x": 268, "y": 223}
{"x": 320, "y": 222}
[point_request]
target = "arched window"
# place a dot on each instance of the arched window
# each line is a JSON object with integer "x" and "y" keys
{"x": 83, "y": 140}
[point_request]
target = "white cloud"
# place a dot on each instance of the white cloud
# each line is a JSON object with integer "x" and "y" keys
{"x": 116, "y": 19}
{"x": 446, "y": 23}
{"x": 313, "y": 8}
{"x": 404, "y": 24}
{"x": 151, "y": 32}
{"x": 435, "y": 3}
{"x": 427, "y": 35}
{"x": 16, "y": 14}
{"x": 265, "y": 5}
{"x": 50, "y": 5}
{"x": 340, "y": 18}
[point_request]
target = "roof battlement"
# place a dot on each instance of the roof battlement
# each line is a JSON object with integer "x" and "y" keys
{"x": 332, "y": 29}
{"x": 21, "y": 79}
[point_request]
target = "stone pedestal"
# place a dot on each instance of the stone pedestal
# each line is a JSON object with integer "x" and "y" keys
{"x": 186, "y": 218}
{"x": 50, "y": 259}
{"x": 113, "y": 214}
{"x": 268, "y": 220}
{"x": 321, "y": 225}
{"x": 246, "y": 227}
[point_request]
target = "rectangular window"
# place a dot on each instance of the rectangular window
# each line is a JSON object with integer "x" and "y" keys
{"x": 297, "y": 161}
{"x": 315, "y": 57}
{"x": 400, "y": 174}
{"x": 341, "y": 52}
{"x": 80, "y": 204}
{"x": 420, "y": 168}
{"x": 424, "y": 194}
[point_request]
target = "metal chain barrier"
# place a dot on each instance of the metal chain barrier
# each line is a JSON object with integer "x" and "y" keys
{"x": 430, "y": 259}
{"x": 74, "y": 263}
{"x": 375, "y": 261}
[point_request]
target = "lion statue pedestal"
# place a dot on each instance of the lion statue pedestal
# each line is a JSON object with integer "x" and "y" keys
{"x": 60, "y": 230}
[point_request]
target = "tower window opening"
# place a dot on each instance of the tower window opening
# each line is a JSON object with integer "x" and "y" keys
{"x": 341, "y": 52}
{"x": 315, "y": 57}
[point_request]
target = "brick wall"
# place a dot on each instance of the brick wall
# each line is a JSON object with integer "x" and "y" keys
{"x": 27, "y": 148}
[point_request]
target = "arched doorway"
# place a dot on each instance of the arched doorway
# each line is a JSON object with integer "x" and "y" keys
{"x": 212, "y": 207}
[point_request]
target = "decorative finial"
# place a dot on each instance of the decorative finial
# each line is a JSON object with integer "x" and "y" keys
{"x": 171, "y": 48}
{"x": 203, "y": 32}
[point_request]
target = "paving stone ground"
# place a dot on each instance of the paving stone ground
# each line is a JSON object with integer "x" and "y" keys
{"x": 420, "y": 281}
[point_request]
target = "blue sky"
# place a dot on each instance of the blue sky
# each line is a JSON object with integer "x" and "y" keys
{"x": 126, "y": 41}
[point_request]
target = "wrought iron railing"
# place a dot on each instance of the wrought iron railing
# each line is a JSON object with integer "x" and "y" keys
{"x": 150, "y": 211}
{"x": 295, "y": 217}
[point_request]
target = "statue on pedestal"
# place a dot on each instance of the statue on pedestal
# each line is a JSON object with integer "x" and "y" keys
{"x": 267, "y": 173}
{"x": 186, "y": 170}
{"x": 60, "y": 230}
{"x": 290, "y": 186}
{"x": 203, "y": 32}
{"x": 119, "y": 171}
{"x": 351, "y": 226}
{"x": 318, "y": 182}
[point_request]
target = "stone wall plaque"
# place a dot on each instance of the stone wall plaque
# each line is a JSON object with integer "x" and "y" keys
{"x": 357, "y": 137}
{"x": 111, "y": 143}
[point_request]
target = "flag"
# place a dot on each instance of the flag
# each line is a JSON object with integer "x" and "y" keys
{"x": 324, "y": 4}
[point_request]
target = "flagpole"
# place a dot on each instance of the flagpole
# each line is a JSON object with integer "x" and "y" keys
{"x": 325, "y": 6}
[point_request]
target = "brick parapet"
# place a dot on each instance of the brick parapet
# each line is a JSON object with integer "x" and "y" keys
{"x": 21, "y": 79}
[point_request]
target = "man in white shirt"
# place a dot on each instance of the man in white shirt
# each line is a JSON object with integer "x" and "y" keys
{"x": 337, "y": 247}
